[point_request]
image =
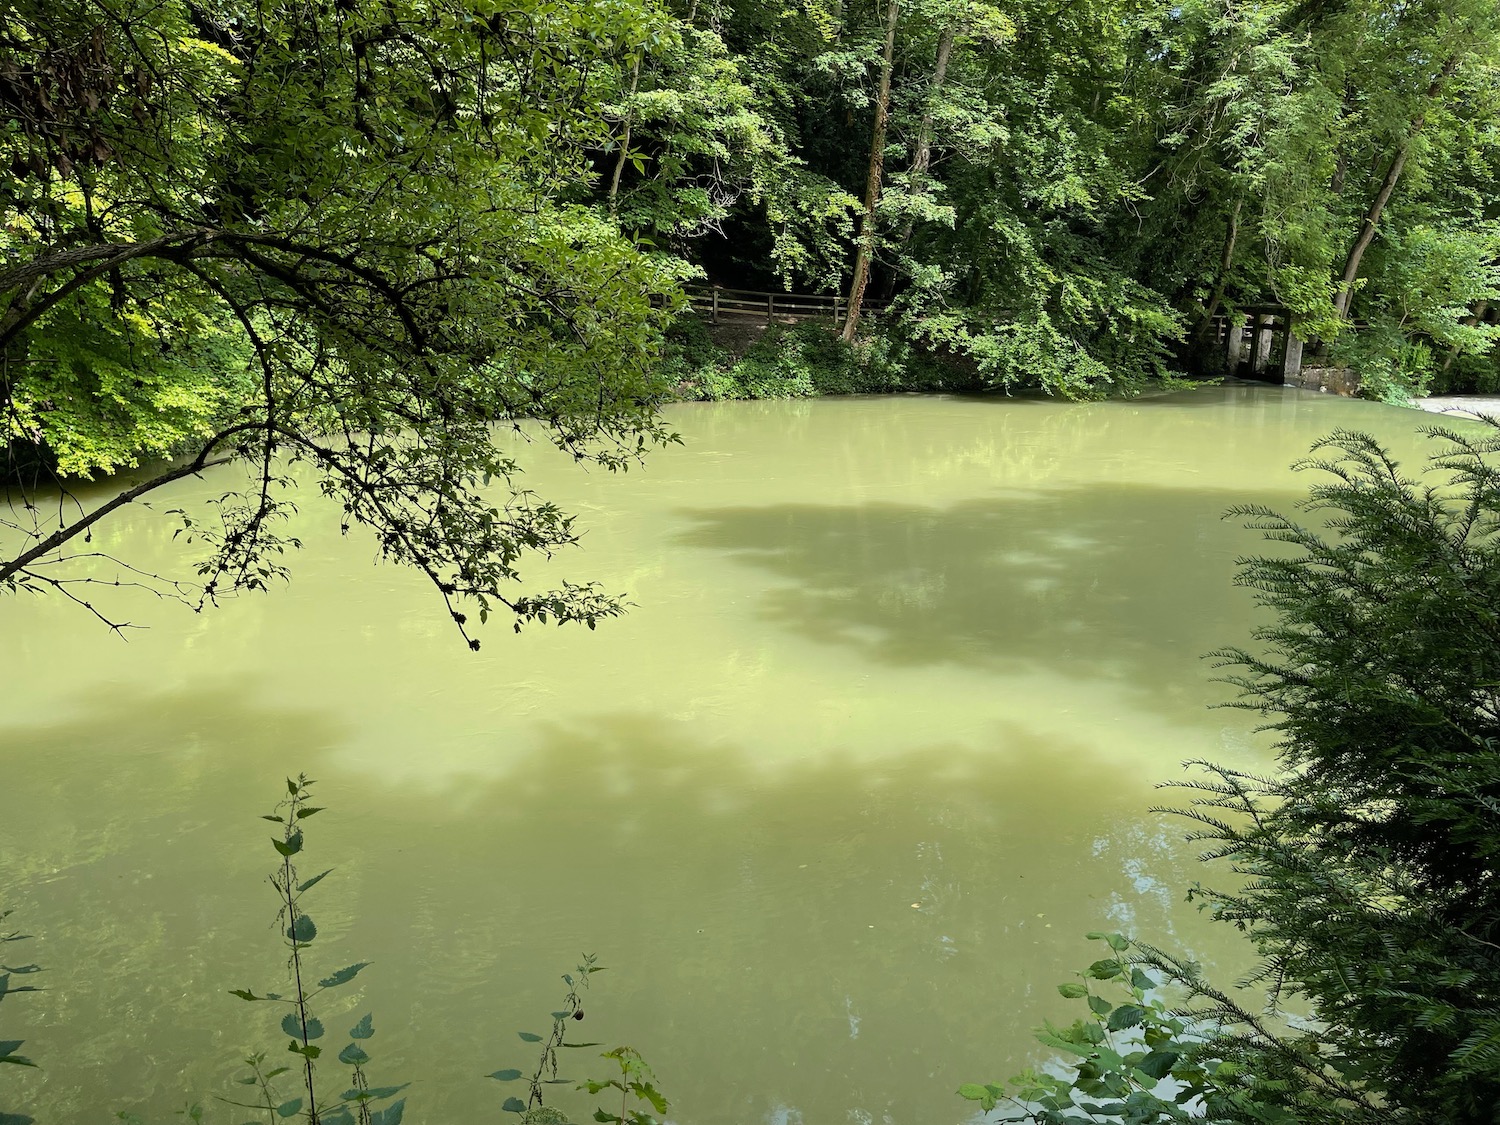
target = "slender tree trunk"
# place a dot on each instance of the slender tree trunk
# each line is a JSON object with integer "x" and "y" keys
{"x": 614, "y": 182}
{"x": 1480, "y": 311}
{"x": 1344, "y": 298}
{"x": 1222, "y": 281}
{"x": 1345, "y": 295}
{"x": 872, "y": 186}
{"x": 923, "y": 159}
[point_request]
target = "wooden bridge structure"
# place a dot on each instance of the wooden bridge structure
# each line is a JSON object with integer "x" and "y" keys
{"x": 750, "y": 306}
{"x": 1258, "y": 342}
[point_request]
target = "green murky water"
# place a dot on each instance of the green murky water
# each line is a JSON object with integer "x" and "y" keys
{"x": 835, "y": 803}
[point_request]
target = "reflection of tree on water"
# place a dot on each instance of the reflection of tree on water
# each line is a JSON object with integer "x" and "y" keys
{"x": 1106, "y": 582}
{"x": 746, "y": 912}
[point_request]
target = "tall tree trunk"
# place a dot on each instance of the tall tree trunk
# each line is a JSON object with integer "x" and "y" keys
{"x": 1344, "y": 298}
{"x": 872, "y": 186}
{"x": 1345, "y": 295}
{"x": 923, "y": 160}
{"x": 614, "y": 181}
{"x": 1222, "y": 281}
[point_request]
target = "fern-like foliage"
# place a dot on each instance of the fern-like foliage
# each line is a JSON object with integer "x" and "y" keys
{"x": 1369, "y": 863}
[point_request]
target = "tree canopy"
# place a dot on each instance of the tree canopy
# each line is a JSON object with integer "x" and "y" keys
{"x": 360, "y": 236}
{"x": 349, "y": 235}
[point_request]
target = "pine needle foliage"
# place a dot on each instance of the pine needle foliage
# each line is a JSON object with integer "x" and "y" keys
{"x": 1366, "y": 863}
{"x": 1370, "y": 859}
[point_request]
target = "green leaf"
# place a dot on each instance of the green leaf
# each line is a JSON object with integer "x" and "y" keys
{"x": 303, "y": 814}
{"x": 1158, "y": 1064}
{"x": 353, "y": 1055}
{"x": 390, "y": 1115}
{"x": 344, "y": 975}
{"x": 290, "y": 846}
{"x": 1126, "y": 1015}
{"x": 289, "y": 1108}
{"x": 314, "y": 881}
{"x": 377, "y": 1092}
{"x": 244, "y": 994}
{"x": 1106, "y": 970}
{"x": 363, "y": 1029}
{"x": 1141, "y": 980}
{"x": 302, "y": 930}
{"x": 1073, "y": 991}
{"x": 529, "y": 1037}
{"x": 513, "y": 1105}
{"x": 504, "y": 1075}
{"x": 1099, "y": 1005}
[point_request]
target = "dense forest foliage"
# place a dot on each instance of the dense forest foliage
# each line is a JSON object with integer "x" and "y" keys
{"x": 1066, "y": 194}
{"x": 213, "y": 216}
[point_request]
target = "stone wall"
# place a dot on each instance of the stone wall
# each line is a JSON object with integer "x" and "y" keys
{"x": 1334, "y": 380}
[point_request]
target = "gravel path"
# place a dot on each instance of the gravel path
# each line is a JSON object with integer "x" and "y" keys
{"x": 1465, "y": 406}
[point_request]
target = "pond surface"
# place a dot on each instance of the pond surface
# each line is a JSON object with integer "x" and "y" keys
{"x": 836, "y": 803}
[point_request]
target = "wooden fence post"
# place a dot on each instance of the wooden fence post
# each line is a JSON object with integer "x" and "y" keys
{"x": 770, "y": 308}
{"x": 715, "y": 319}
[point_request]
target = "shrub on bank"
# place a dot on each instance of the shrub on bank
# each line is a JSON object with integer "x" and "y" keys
{"x": 802, "y": 361}
{"x": 1367, "y": 864}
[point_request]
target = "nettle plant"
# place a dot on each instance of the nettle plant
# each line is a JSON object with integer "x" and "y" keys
{"x": 357, "y": 1103}
{"x": 635, "y": 1081}
{"x": 299, "y": 1090}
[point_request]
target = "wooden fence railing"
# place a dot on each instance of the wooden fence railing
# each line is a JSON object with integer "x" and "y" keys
{"x": 717, "y": 302}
